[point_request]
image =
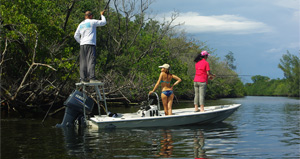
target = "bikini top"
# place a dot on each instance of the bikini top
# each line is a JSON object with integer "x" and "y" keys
{"x": 165, "y": 81}
{"x": 168, "y": 82}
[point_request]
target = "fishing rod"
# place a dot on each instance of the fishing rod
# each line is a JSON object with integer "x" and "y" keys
{"x": 225, "y": 76}
{"x": 106, "y": 5}
{"x": 105, "y": 8}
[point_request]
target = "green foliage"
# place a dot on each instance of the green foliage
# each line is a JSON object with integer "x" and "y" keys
{"x": 230, "y": 60}
{"x": 129, "y": 50}
{"x": 266, "y": 87}
{"x": 227, "y": 83}
{"x": 34, "y": 32}
{"x": 289, "y": 86}
{"x": 290, "y": 65}
{"x": 260, "y": 86}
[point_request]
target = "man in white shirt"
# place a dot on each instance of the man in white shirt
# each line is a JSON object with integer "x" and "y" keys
{"x": 85, "y": 35}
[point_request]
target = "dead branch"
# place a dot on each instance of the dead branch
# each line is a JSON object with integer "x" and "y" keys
{"x": 30, "y": 68}
{"x": 6, "y": 92}
{"x": 3, "y": 53}
{"x": 127, "y": 8}
{"x": 124, "y": 97}
{"x": 56, "y": 111}
{"x": 154, "y": 42}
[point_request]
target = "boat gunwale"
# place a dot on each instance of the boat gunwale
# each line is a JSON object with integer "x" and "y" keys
{"x": 231, "y": 106}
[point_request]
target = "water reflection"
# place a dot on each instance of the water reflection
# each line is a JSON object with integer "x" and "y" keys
{"x": 76, "y": 140}
{"x": 165, "y": 146}
{"x": 290, "y": 125}
{"x": 199, "y": 151}
{"x": 195, "y": 141}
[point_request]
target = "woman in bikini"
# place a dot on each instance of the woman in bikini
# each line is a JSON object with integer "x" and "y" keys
{"x": 167, "y": 94}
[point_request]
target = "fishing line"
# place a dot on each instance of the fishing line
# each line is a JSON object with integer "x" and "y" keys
{"x": 231, "y": 75}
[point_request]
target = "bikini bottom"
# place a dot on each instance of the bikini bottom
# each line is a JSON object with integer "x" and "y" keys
{"x": 167, "y": 93}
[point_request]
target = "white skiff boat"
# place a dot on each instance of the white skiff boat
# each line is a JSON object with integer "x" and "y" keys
{"x": 186, "y": 116}
{"x": 78, "y": 105}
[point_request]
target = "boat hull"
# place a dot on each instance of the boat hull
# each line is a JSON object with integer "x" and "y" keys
{"x": 181, "y": 117}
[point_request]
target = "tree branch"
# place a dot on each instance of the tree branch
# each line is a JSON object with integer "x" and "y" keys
{"x": 4, "y": 52}
{"x": 30, "y": 68}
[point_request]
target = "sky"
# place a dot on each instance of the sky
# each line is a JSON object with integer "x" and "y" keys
{"x": 258, "y": 32}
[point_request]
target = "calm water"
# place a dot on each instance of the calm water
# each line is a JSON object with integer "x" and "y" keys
{"x": 264, "y": 127}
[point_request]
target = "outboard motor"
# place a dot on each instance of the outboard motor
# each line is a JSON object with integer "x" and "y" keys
{"x": 74, "y": 109}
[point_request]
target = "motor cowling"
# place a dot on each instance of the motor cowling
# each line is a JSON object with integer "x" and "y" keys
{"x": 75, "y": 105}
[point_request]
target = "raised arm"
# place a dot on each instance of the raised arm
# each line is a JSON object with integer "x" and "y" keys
{"x": 101, "y": 22}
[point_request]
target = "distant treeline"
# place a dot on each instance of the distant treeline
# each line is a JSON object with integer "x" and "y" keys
{"x": 289, "y": 86}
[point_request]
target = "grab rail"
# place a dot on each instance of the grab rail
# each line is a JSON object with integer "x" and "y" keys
{"x": 158, "y": 104}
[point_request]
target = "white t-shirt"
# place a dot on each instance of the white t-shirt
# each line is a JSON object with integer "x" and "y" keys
{"x": 86, "y": 31}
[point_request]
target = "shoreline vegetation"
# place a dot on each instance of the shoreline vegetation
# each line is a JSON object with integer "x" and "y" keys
{"x": 39, "y": 56}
